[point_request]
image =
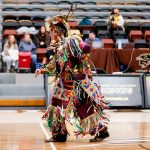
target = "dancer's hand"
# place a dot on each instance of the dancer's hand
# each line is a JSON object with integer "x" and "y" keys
{"x": 90, "y": 77}
{"x": 41, "y": 43}
{"x": 37, "y": 72}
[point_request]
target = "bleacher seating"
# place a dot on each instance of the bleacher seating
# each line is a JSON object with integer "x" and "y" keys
{"x": 135, "y": 35}
{"x": 100, "y": 25}
{"x": 8, "y": 32}
{"x": 140, "y": 44}
{"x": 17, "y": 13}
{"x": 108, "y": 43}
{"x": 24, "y": 21}
{"x": 147, "y": 35}
{"x": 91, "y": 6}
{"x": 103, "y": 34}
{"x": 38, "y": 21}
{"x": 132, "y": 26}
{"x": 119, "y": 35}
{"x": 10, "y": 22}
{"x": 145, "y": 26}
{"x": 73, "y": 24}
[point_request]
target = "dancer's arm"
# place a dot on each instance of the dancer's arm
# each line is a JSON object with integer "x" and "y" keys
{"x": 86, "y": 66}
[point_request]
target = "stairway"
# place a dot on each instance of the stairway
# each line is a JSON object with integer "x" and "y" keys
{"x": 21, "y": 90}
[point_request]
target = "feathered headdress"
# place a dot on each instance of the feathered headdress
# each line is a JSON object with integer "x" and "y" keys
{"x": 61, "y": 21}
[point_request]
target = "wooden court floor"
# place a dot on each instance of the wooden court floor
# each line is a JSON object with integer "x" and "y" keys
{"x": 24, "y": 130}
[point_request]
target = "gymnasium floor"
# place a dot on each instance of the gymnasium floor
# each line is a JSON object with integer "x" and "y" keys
{"x": 24, "y": 130}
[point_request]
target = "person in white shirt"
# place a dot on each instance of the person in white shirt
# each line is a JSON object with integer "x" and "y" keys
{"x": 10, "y": 53}
{"x": 115, "y": 21}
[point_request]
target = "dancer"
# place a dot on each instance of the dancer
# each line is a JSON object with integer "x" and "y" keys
{"x": 74, "y": 92}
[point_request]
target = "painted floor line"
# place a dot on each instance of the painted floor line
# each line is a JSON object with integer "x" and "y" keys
{"x": 47, "y": 135}
{"x": 110, "y": 142}
{"x": 86, "y": 145}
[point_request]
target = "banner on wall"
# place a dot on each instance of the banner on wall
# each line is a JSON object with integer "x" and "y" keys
{"x": 120, "y": 90}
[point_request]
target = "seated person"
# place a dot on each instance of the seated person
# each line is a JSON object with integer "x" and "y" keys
{"x": 115, "y": 21}
{"x": 42, "y": 38}
{"x": 26, "y": 45}
{"x": 10, "y": 53}
{"x": 93, "y": 40}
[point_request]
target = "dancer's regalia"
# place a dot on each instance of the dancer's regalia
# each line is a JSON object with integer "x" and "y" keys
{"x": 74, "y": 92}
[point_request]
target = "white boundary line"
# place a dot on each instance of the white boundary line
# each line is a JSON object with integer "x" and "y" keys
{"x": 107, "y": 143}
{"x": 47, "y": 135}
{"x": 80, "y": 146}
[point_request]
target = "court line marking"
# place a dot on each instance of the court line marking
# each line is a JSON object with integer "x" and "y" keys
{"x": 114, "y": 142}
{"x": 86, "y": 145}
{"x": 127, "y": 141}
{"x": 47, "y": 135}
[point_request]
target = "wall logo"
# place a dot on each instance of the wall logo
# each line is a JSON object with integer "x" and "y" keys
{"x": 144, "y": 60}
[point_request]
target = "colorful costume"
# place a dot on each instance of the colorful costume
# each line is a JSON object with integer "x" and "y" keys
{"x": 74, "y": 92}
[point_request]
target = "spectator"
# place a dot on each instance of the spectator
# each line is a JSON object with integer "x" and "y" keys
{"x": 10, "y": 53}
{"x": 93, "y": 41}
{"x": 92, "y": 38}
{"x": 26, "y": 45}
{"x": 42, "y": 38}
{"x": 115, "y": 21}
